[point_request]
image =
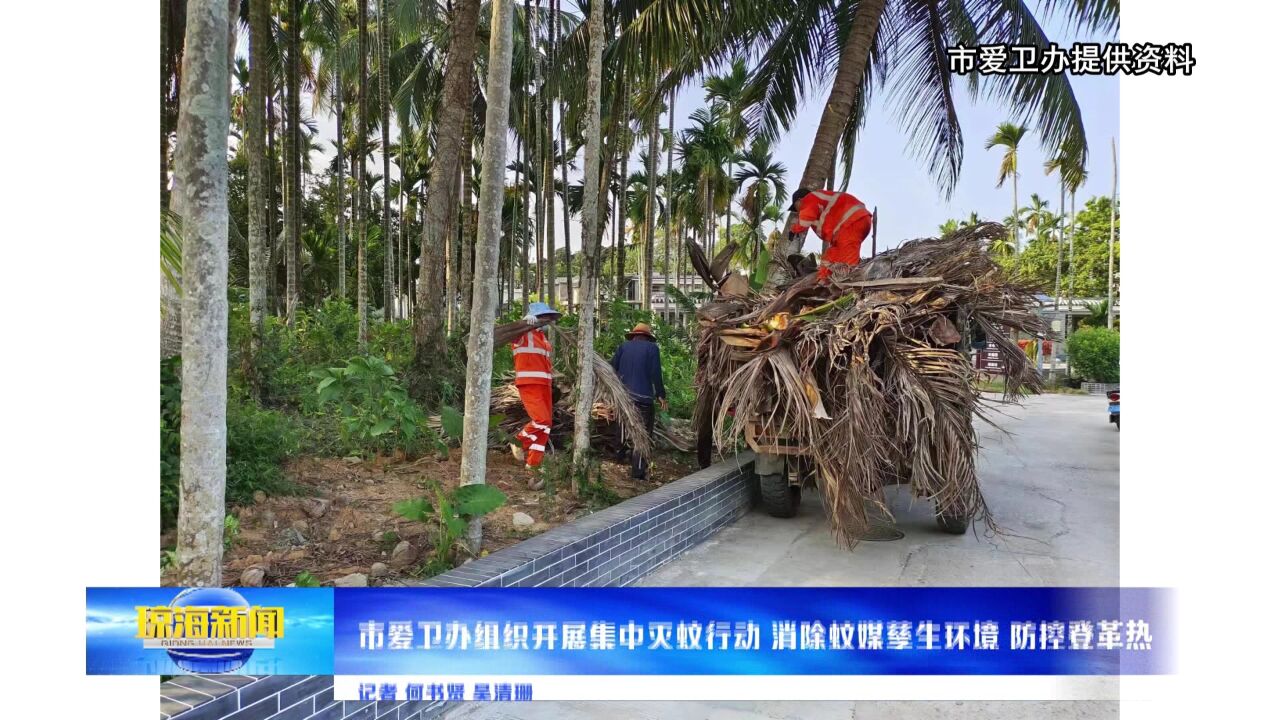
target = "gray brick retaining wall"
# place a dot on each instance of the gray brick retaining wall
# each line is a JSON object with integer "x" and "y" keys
{"x": 623, "y": 543}
{"x": 613, "y": 547}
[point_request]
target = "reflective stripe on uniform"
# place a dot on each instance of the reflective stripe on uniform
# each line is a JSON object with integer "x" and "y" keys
{"x": 830, "y": 200}
{"x": 521, "y": 349}
{"x": 533, "y": 374}
{"x": 539, "y": 448}
{"x": 845, "y": 218}
{"x": 540, "y": 426}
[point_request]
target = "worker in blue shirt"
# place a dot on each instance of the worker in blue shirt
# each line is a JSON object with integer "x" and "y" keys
{"x": 639, "y": 364}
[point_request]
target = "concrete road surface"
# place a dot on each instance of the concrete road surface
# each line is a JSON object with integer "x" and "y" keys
{"x": 1051, "y": 479}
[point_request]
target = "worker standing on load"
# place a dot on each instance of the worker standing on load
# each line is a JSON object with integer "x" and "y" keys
{"x": 840, "y": 219}
{"x": 532, "y": 352}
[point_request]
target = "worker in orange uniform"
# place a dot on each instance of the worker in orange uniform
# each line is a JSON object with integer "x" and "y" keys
{"x": 532, "y": 354}
{"x": 840, "y": 219}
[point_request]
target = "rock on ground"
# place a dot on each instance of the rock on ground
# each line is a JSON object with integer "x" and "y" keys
{"x": 520, "y": 519}
{"x": 403, "y": 555}
{"x": 352, "y": 580}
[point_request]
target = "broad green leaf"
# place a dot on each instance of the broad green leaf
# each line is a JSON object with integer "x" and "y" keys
{"x": 495, "y": 420}
{"x": 451, "y": 422}
{"x": 761, "y": 274}
{"x": 478, "y": 500}
{"x": 417, "y": 509}
{"x": 457, "y": 527}
{"x": 326, "y": 382}
{"x": 382, "y": 426}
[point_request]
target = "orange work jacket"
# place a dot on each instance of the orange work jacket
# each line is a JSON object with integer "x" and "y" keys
{"x": 533, "y": 359}
{"x": 827, "y": 212}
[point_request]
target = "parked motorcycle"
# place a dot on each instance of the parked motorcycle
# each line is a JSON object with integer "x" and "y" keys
{"x": 1113, "y": 406}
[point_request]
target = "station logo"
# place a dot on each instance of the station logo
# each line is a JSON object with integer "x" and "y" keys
{"x": 209, "y": 630}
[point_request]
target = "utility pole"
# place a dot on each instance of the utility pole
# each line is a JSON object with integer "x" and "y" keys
{"x": 1111, "y": 244}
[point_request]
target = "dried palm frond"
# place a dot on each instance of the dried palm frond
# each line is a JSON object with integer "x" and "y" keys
{"x": 870, "y": 372}
{"x": 611, "y": 391}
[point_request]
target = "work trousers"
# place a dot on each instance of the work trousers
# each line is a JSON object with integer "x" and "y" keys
{"x": 536, "y": 433}
{"x": 640, "y": 466}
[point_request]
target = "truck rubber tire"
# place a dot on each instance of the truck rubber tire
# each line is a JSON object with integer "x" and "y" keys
{"x": 952, "y": 524}
{"x": 780, "y": 498}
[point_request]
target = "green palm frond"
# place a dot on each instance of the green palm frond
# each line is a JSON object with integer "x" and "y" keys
{"x": 1007, "y": 135}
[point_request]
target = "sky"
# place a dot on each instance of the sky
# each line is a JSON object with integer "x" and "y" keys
{"x": 888, "y": 177}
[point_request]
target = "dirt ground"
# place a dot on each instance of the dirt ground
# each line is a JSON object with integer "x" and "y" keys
{"x": 342, "y": 520}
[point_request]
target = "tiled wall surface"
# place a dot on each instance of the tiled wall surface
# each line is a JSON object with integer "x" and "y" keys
{"x": 623, "y": 543}
{"x": 613, "y": 547}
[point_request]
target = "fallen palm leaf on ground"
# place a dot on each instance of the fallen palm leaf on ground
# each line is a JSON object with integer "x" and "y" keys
{"x": 870, "y": 373}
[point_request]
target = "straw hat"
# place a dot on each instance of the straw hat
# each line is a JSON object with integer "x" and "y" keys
{"x": 641, "y": 329}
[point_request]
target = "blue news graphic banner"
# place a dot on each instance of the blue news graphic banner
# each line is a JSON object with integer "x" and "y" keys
{"x": 172, "y": 631}
{"x": 752, "y": 631}
{"x": 629, "y": 631}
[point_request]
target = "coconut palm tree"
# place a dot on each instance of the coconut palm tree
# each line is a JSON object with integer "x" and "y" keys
{"x": 360, "y": 170}
{"x": 766, "y": 181}
{"x": 1038, "y": 216}
{"x": 454, "y": 111}
{"x": 590, "y": 243}
{"x": 727, "y": 95}
{"x": 200, "y": 194}
{"x": 1067, "y": 165}
{"x": 475, "y": 424}
{"x": 1008, "y": 135}
{"x": 805, "y": 44}
{"x": 256, "y": 149}
{"x": 384, "y": 105}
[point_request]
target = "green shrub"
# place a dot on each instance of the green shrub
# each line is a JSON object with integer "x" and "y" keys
{"x": 1095, "y": 354}
{"x": 258, "y": 442}
{"x": 374, "y": 408}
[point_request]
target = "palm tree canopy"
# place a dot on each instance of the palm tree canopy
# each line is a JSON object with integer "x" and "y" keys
{"x": 1007, "y": 135}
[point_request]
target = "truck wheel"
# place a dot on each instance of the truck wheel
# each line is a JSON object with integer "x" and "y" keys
{"x": 780, "y": 498}
{"x": 952, "y": 524}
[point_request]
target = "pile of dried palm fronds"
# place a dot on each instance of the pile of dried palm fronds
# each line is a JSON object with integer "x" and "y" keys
{"x": 870, "y": 373}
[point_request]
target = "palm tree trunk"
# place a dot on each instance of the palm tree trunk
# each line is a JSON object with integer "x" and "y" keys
{"x": 361, "y": 171}
{"x": 475, "y": 428}
{"x": 292, "y": 193}
{"x": 549, "y": 201}
{"x": 1111, "y": 242}
{"x": 564, "y": 181}
{"x": 1071, "y": 274}
{"x": 845, "y": 88}
{"x": 666, "y": 238}
{"x": 468, "y": 220}
{"x": 1017, "y": 248}
{"x": 520, "y": 223}
{"x": 384, "y": 103}
{"x": 1057, "y": 276}
{"x": 341, "y": 158}
{"x": 651, "y": 213}
{"x": 255, "y": 148}
{"x": 402, "y": 271}
{"x": 624, "y": 163}
{"x": 590, "y": 241}
{"x": 200, "y": 187}
{"x": 442, "y": 199}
